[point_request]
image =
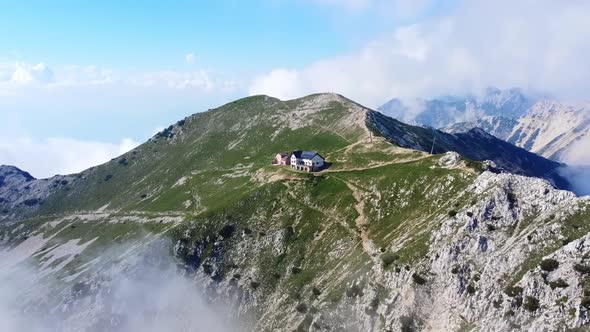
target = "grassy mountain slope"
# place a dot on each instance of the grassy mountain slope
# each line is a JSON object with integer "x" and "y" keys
{"x": 379, "y": 241}
{"x": 186, "y": 165}
{"x": 222, "y": 147}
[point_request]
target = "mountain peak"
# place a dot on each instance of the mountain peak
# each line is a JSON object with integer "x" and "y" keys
{"x": 14, "y": 173}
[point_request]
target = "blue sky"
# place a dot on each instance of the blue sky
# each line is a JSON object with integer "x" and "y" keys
{"x": 107, "y": 74}
{"x": 135, "y": 35}
{"x": 230, "y": 38}
{"x": 138, "y": 35}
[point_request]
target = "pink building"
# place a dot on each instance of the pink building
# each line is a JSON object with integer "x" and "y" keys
{"x": 283, "y": 158}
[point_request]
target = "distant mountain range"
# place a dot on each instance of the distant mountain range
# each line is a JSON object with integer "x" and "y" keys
{"x": 549, "y": 128}
{"x": 447, "y": 110}
{"x": 541, "y": 125}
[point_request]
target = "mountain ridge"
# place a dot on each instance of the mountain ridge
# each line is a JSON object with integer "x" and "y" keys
{"x": 387, "y": 238}
{"x": 340, "y": 121}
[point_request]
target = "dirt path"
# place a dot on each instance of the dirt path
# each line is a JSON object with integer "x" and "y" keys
{"x": 376, "y": 165}
{"x": 361, "y": 222}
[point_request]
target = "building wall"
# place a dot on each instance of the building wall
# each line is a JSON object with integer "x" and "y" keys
{"x": 280, "y": 160}
{"x": 314, "y": 164}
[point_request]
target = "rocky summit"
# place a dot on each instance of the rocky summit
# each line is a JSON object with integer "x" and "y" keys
{"x": 404, "y": 228}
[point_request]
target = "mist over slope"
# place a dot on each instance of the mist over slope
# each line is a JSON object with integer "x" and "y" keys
{"x": 388, "y": 237}
{"x": 142, "y": 290}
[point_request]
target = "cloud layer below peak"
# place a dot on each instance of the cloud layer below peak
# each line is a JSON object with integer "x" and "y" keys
{"x": 45, "y": 158}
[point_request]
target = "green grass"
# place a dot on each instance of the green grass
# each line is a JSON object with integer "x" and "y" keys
{"x": 398, "y": 202}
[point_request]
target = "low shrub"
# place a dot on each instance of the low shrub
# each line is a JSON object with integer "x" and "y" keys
{"x": 227, "y": 231}
{"x": 31, "y": 202}
{"x": 584, "y": 269}
{"x": 354, "y": 291}
{"x": 561, "y": 300}
{"x": 389, "y": 258}
{"x": 549, "y": 265}
{"x": 559, "y": 283}
{"x": 418, "y": 279}
{"x": 513, "y": 291}
{"x": 301, "y": 308}
{"x": 531, "y": 304}
{"x": 572, "y": 312}
{"x": 497, "y": 303}
{"x": 316, "y": 291}
{"x": 407, "y": 324}
{"x": 373, "y": 306}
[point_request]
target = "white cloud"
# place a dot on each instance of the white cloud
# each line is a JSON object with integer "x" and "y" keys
{"x": 290, "y": 85}
{"x": 578, "y": 170}
{"x": 138, "y": 287}
{"x": 58, "y": 155}
{"x": 16, "y": 78}
{"x": 579, "y": 152}
{"x": 75, "y": 75}
{"x": 25, "y": 74}
{"x": 190, "y": 58}
{"x": 538, "y": 45}
{"x": 102, "y": 103}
